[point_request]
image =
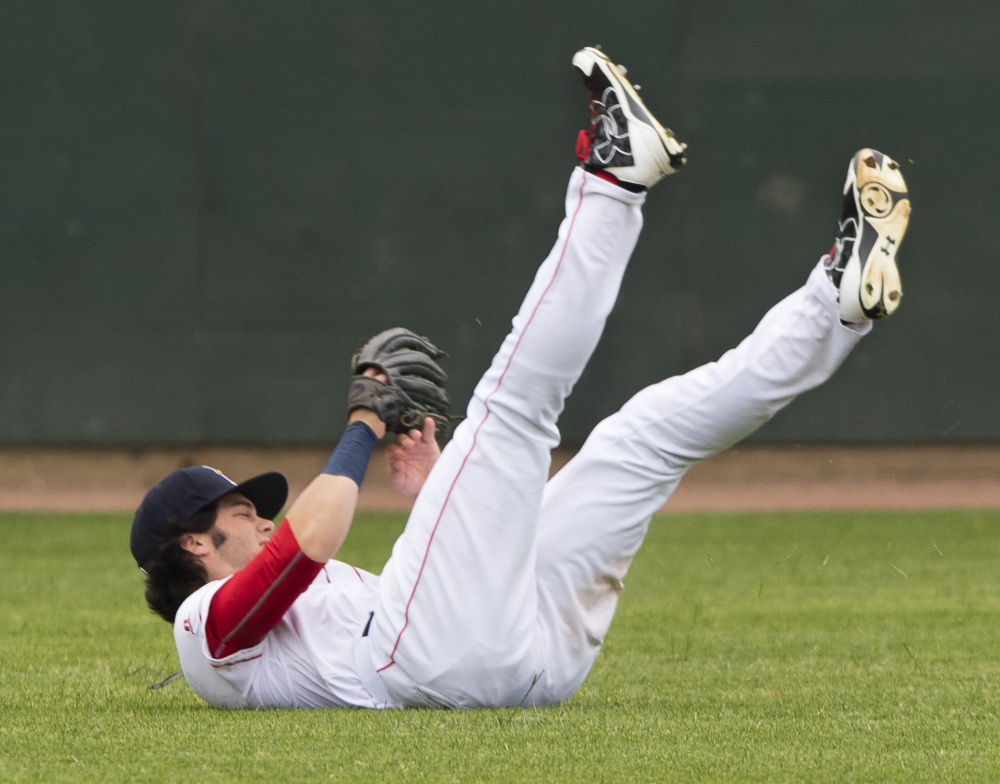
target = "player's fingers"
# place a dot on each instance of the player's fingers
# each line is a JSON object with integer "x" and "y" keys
{"x": 429, "y": 426}
{"x": 394, "y": 458}
{"x": 375, "y": 373}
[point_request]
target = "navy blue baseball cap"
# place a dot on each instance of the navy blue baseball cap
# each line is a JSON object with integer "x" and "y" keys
{"x": 189, "y": 490}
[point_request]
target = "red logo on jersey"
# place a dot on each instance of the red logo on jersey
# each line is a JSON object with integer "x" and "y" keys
{"x": 187, "y": 625}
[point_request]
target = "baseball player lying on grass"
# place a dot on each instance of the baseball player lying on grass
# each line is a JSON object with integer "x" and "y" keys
{"x": 502, "y": 586}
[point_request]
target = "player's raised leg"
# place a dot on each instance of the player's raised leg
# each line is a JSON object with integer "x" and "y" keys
{"x": 597, "y": 510}
{"x": 457, "y": 608}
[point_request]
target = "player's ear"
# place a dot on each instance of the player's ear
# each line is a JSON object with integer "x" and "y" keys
{"x": 196, "y": 544}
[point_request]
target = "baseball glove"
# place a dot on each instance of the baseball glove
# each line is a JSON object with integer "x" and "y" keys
{"x": 416, "y": 388}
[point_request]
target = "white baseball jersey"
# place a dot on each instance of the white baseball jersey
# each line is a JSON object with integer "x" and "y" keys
{"x": 502, "y": 586}
{"x": 306, "y": 661}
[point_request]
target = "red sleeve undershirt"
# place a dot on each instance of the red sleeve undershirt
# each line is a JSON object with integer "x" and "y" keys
{"x": 252, "y": 602}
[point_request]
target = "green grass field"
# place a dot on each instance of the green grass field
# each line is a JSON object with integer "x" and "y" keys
{"x": 821, "y": 647}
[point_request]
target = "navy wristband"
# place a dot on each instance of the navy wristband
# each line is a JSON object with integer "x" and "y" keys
{"x": 354, "y": 450}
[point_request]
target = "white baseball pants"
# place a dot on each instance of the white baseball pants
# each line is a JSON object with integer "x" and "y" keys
{"x": 502, "y": 586}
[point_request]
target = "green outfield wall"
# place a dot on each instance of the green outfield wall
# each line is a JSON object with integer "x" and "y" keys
{"x": 205, "y": 205}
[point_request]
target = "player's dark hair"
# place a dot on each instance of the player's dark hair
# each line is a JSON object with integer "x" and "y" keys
{"x": 174, "y": 573}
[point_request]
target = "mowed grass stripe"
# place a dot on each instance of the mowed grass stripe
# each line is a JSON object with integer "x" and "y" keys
{"x": 827, "y": 647}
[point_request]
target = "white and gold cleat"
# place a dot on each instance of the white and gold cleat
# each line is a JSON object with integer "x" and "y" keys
{"x": 862, "y": 263}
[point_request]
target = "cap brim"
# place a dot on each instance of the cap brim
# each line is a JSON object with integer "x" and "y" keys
{"x": 267, "y": 492}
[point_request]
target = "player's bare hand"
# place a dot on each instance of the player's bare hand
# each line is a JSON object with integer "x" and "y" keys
{"x": 412, "y": 457}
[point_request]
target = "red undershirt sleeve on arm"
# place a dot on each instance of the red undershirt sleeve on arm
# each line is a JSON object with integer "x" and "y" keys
{"x": 254, "y": 599}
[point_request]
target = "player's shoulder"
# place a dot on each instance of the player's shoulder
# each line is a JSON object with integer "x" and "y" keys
{"x": 193, "y": 611}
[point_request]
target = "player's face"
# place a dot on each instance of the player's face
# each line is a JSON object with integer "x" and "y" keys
{"x": 245, "y": 533}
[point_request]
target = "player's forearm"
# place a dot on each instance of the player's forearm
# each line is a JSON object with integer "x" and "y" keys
{"x": 321, "y": 516}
